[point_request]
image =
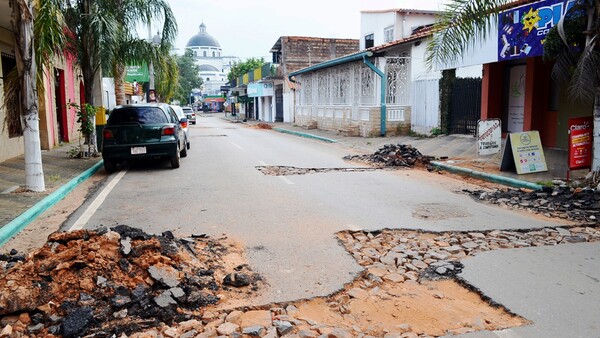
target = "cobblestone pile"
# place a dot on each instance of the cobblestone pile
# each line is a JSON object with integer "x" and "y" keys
{"x": 581, "y": 204}
{"x": 393, "y": 155}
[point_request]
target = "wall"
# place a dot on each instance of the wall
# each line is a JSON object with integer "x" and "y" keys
{"x": 376, "y": 22}
{"x": 9, "y": 146}
{"x": 296, "y": 56}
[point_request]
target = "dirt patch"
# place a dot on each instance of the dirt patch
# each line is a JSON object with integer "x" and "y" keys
{"x": 431, "y": 308}
{"x": 261, "y": 126}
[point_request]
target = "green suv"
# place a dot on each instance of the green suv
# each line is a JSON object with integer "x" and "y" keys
{"x": 137, "y": 131}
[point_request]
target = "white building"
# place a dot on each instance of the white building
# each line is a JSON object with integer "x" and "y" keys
{"x": 214, "y": 66}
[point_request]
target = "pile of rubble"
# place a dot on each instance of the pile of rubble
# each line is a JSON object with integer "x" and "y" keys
{"x": 570, "y": 202}
{"x": 113, "y": 281}
{"x": 401, "y": 255}
{"x": 393, "y": 155}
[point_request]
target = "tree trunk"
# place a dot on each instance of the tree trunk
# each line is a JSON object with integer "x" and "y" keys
{"x": 22, "y": 23}
{"x": 596, "y": 145}
{"x": 119, "y": 77}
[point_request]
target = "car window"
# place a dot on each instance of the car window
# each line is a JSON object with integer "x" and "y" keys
{"x": 174, "y": 118}
{"x": 145, "y": 115}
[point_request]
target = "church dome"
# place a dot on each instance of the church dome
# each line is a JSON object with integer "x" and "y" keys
{"x": 203, "y": 39}
{"x": 208, "y": 68}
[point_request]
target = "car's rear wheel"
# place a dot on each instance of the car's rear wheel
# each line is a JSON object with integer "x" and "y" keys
{"x": 110, "y": 166}
{"x": 175, "y": 160}
{"x": 184, "y": 151}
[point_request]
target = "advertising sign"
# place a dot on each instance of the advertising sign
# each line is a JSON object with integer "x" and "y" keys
{"x": 489, "y": 136}
{"x": 260, "y": 89}
{"x": 580, "y": 142}
{"x": 516, "y": 99}
{"x": 524, "y": 152}
{"x": 138, "y": 73}
{"x": 522, "y": 30}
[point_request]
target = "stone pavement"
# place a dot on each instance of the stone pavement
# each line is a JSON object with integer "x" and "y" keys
{"x": 59, "y": 169}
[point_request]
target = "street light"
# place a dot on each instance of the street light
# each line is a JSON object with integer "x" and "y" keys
{"x": 151, "y": 90}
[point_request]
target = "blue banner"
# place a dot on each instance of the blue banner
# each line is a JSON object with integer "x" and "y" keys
{"x": 522, "y": 30}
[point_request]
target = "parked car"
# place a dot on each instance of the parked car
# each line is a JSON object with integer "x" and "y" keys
{"x": 181, "y": 115}
{"x": 190, "y": 114}
{"x": 138, "y": 131}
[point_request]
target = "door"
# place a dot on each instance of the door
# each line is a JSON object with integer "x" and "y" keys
{"x": 61, "y": 105}
{"x": 465, "y": 108}
{"x": 279, "y": 104}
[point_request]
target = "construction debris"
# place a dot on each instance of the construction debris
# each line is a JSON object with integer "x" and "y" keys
{"x": 393, "y": 155}
{"x": 571, "y": 202}
{"x": 113, "y": 281}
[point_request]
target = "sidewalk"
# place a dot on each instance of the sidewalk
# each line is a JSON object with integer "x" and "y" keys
{"x": 61, "y": 173}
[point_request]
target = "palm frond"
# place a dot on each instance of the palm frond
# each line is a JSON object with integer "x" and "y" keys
{"x": 459, "y": 27}
{"x": 586, "y": 75}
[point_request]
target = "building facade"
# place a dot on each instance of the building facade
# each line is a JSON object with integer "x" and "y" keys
{"x": 214, "y": 65}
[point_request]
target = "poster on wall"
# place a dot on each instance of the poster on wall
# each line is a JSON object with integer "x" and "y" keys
{"x": 516, "y": 99}
{"x": 580, "y": 142}
{"x": 489, "y": 136}
{"x": 523, "y": 152}
{"x": 522, "y": 30}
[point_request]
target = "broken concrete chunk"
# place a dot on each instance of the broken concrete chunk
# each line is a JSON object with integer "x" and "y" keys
{"x": 164, "y": 274}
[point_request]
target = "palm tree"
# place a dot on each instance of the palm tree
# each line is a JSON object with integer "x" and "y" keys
{"x": 104, "y": 35}
{"x": 37, "y": 40}
{"x": 128, "y": 48}
{"x": 464, "y": 22}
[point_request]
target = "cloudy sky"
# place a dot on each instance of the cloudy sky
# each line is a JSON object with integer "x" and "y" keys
{"x": 250, "y": 28}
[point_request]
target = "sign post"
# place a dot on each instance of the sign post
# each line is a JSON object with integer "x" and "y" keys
{"x": 580, "y": 143}
{"x": 524, "y": 153}
{"x": 489, "y": 136}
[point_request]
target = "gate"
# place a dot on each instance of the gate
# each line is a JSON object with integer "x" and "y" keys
{"x": 465, "y": 107}
{"x": 279, "y": 104}
{"x": 426, "y": 104}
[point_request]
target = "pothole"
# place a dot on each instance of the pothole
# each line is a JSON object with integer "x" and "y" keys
{"x": 439, "y": 211}
{"x": 279, "y": 170}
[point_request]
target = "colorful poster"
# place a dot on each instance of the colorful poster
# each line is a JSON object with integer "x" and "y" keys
{"x": 527, "y": 152}
{"x": 489, "y": 136}
{"x": 516, "y": 99}
{"x": 580, "y": 142}
{"x": 522, "y": 30}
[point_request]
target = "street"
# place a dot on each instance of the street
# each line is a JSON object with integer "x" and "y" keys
{"x": 342, "y": 246}
{"x": 287, "y": 223}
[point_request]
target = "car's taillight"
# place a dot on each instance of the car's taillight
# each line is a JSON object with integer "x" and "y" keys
{"x": 168, "y": 131}
{"x": 183, "y": 124}
{"x": 107, "y": 134}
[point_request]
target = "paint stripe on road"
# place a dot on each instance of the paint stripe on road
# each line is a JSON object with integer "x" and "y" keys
{"x": 286, "y": 180}
{"x": 97, "y": 202}
{"x": 235, "y": 145}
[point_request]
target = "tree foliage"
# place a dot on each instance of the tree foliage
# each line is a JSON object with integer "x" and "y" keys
{"x": 189, "y": 76}
{"x": 240, "y": 68}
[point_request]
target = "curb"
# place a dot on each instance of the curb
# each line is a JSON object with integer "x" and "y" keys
{"x": 16, "y": 225}
{"x": 297, "y": 133}
{"x": 489, "y": 177}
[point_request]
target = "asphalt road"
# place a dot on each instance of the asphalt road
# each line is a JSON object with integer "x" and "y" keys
{"x": 287, "y": 223}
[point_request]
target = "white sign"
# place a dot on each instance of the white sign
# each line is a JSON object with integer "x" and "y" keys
{"x": 516, "y": 99}
{"x": 489, "y": 136}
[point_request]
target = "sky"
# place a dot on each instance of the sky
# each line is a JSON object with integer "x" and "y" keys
{"x": 250, "y": 28}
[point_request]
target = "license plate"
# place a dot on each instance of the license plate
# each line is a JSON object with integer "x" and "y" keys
{"x": 138, "y": 150}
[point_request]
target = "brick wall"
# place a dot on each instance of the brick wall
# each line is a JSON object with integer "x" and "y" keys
{"x": 302, "y": 52}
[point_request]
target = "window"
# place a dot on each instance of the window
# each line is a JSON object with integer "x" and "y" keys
{"x": 13, "y": 110}
{"x": 388, "y": 34}
{"x": 369, "y": 41}
{"x": 213, "y": 53}
{"x": 204, "y": 53}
